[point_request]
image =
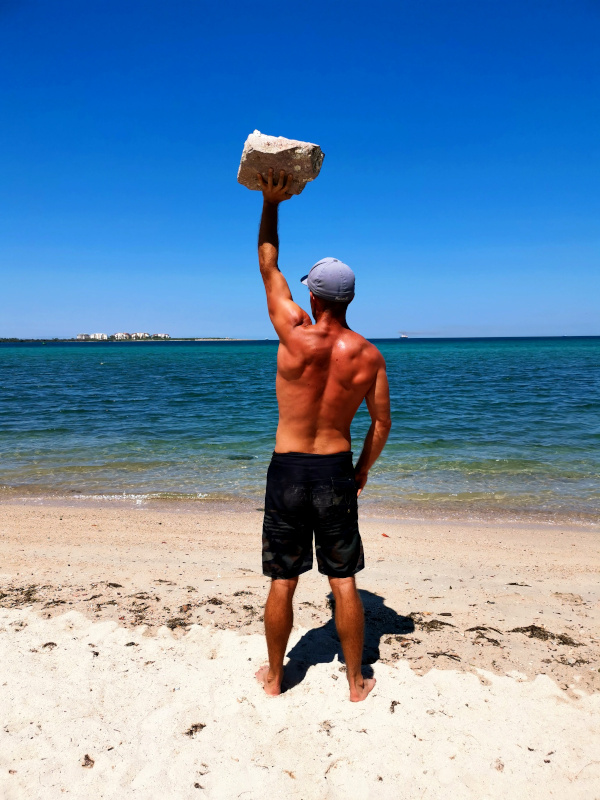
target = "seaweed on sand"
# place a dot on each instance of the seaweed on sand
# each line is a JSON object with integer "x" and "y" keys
{"x": 537, "y": 632}
{"x": 438, "y": 653}
{"x": 14, "y": 597}
{"x": 194, "y": 729}
{"x": 177, "y": 622}
{"x": 435, "y": 625}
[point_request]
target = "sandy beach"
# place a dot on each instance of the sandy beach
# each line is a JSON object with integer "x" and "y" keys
{"x": 129, "y": 638}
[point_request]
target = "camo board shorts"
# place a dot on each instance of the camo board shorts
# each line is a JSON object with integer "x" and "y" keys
{"x": 309, "y": 493}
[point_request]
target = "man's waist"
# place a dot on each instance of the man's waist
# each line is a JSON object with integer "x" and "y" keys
{"x": 315, "y": 464}
{"x": 292, "y": 453}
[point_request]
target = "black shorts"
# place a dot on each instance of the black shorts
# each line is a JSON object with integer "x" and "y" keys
{"x": 306, "y": 493}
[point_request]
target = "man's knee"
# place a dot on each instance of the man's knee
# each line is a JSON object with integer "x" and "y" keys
{"x": 343, "y": 587}
{"x": 284, "y": 586}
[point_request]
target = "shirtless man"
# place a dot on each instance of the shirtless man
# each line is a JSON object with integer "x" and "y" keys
{"x": 324, "y": 371}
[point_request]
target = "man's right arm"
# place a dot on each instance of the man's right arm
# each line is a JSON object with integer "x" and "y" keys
{"x": 378, "y": 404}
{"x": 284, "y": 313}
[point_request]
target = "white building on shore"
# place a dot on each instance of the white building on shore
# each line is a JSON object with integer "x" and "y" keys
{"x": 121, "y": 336}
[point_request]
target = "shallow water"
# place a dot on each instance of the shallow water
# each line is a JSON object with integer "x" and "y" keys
{"x": 496, "y": 425}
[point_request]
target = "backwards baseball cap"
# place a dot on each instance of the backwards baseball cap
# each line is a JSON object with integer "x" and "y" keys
{"x": 331, "y": 279}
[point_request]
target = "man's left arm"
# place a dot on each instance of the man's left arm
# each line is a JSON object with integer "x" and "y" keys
{"x": 284, "y": 313}
{"x": 378, "y": 405}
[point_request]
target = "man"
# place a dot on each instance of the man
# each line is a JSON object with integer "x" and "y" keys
{"x": 324, "y": 371}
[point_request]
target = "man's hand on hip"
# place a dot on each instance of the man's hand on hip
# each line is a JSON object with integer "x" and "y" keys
{"x": 278, "y": 192}
{"x": 360, "y": 478}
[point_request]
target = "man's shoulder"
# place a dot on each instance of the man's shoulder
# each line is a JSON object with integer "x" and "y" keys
{"x": 365, "y": 348}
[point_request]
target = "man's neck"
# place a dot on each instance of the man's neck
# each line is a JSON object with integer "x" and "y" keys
{"x": 325, "y": 319}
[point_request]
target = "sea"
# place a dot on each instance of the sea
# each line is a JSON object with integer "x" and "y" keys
{"x": 482, "y": 428}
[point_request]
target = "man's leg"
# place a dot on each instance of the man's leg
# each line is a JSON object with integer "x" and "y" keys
{"x": 279, "y": 618}
{"x": 350, "y": 624}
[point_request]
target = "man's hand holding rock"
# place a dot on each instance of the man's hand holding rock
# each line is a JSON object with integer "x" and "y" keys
{"x": 278, "y": 192}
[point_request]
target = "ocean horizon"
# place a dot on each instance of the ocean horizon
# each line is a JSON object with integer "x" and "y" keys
{"x": 503, "y": 426}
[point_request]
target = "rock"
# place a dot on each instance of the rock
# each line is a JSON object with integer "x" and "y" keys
{"x": 262, "y": 152}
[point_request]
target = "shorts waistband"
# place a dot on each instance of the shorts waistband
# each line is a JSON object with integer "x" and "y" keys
{"x": 306, "y": 459}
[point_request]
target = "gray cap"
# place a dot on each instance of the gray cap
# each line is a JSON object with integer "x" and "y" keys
{"x": 331, "y": 279}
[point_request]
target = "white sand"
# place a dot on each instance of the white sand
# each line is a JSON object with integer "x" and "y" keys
{"x": 451, "y": 734}
{"x": 480, "y": 710}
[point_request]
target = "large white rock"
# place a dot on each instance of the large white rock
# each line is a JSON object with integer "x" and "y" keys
{"x": 262, "y": 152}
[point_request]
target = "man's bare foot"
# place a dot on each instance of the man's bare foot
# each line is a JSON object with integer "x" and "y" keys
{"x": 271, "y": 684}
{"x": 359, "y": 691}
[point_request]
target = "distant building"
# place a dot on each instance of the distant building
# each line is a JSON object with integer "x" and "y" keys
{"x": 140, "y": 335}
{"x": 99, "y": 336}
{"x": 122, "y": 336}
{"x": 160, "y": 336}
{"x": 83, "y": 337}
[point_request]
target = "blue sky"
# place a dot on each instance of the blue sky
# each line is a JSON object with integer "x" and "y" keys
{"x": 461, "y": 179}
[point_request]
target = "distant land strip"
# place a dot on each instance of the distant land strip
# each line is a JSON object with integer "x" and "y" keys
{"x": 124, "y": 341}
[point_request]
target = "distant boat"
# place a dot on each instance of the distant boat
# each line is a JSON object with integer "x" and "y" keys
{"x": 404, "y": 335}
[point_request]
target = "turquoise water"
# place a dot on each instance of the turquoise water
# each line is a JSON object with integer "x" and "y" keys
{"x": 508, "y": 426}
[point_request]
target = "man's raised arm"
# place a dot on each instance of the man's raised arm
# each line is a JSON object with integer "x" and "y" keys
{"x": 284, "y": 313}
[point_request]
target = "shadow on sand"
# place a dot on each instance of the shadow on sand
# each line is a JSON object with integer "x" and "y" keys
{"x": 322, "y": 645}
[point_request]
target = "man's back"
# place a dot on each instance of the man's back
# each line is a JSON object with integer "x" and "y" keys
{"x": 324, "y": 372}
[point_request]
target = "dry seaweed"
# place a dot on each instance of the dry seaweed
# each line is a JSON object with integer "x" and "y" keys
{"x": 194, "y": 729}
{"x": 483, "y": 629}
{"x": 176, "y": 622}
{"x": 19, "y": 596}
{"x": 537, "y": 632}
{"x": 435, "y": 625}
{"x": 439, "y": 653}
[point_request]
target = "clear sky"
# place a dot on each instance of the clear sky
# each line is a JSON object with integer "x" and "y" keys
{"x": 461, "y": 178}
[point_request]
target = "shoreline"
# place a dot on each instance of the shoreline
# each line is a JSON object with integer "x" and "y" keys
{"x": 369, "y": 508}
